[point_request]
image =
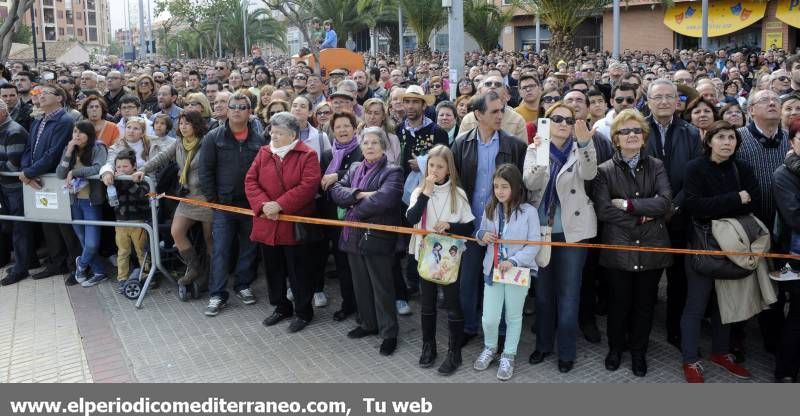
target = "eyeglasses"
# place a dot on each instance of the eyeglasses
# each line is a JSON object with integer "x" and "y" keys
{"x": 324, "y": 113}
{"x": 242, "y": 107}
{"x": 550, "y": 99}
{"x": 625, "y": 132}
{"x": 620, "y": 100}
{"x": 144, "y": 83}
{"x": 65, "y": 81}
{"x": 436, "y": 85}
{"x": 782, "y": 78}
{"x": 491, "y": 84}
{"x": 561, "y": 119}
{"x": 768, "y": 100}
{"x": 657, "y": 98}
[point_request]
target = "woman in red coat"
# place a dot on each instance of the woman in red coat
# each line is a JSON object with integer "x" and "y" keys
{"x": 284, "y": 178}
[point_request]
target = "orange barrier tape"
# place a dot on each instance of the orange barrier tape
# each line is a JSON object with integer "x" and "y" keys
{"x": 407, "y": 230}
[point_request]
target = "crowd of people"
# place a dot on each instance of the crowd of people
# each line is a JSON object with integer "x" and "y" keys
{"x": 651, "y": 149}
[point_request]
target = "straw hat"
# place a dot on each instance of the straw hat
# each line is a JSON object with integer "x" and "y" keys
{"x": 416, "y": 92}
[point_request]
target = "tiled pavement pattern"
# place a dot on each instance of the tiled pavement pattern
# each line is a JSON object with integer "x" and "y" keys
{"x": 172, "y": 341}
{"x": 39, "y": 338}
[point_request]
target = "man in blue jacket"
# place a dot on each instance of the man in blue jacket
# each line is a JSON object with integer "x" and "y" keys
{"x": 48, "y": 138}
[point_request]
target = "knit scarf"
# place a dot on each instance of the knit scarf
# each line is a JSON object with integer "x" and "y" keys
{"x": 558, "y": 158}
{"x": 340, "y": 151}
{"x": 361, "y": 178}
{"x": 191, "y": 150}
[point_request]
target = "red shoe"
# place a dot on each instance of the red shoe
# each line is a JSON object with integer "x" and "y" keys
{"x": 728, "y": 362}
{"x": 693, "y": 373}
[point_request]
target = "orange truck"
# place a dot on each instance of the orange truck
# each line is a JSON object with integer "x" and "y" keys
{"x": 333, "y": 58}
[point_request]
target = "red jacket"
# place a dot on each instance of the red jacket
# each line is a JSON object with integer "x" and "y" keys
{"x": 292, "y": 183}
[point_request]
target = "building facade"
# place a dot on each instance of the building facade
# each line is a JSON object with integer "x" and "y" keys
{"x": 86, "y": 21}
{"x": 648, "y": 25}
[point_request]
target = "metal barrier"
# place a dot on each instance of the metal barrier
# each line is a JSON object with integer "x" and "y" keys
{"x": 151, "y": 230}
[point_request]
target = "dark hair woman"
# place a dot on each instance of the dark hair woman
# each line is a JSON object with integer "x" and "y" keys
{"x": 83, "y": 158}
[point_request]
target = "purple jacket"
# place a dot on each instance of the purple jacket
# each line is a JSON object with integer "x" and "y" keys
{"x": 383, "y": 207}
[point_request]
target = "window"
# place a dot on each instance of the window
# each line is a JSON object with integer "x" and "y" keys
{"x": 70, "y": 31}
{"x": 69, "y": 17}
{"x": 92, "y": 34}
{"x": 50, "y": 33}
{"x": 47, "y": 3}
{"x": 49, "y": 16}
{"x": 91, "y": 19}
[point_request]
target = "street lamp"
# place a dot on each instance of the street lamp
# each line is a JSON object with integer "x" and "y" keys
{"x": 455, "y": 40}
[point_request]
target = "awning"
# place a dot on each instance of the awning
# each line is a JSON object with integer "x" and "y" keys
{"x": 724, "y": 16}
{"x": 789, "y": 12}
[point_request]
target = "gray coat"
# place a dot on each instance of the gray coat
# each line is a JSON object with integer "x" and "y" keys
{"x": 176, "y": 152}
{"x": 97, "y": 192}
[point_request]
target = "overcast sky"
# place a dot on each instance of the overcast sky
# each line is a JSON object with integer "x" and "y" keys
{"x": 117, "y": 9}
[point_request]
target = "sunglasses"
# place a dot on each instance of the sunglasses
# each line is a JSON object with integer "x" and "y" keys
{"x": 436, "y": 85}
{"x": 550, "y": 99}
{"x": 495, "y": 84}
{"x": 783, "y": 78}
{"x": 625, "y": 132}
{"x": 241, "y": 107}
{"x": 560, "y": 119}
{"x": 620, "y": 100}
{"x": 683, "y": 97}
{"x": 300, "y": 77}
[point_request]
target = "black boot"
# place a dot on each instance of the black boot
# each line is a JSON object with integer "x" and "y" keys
{"x": 453, "y": 360}
{"x": 428, "y": 356}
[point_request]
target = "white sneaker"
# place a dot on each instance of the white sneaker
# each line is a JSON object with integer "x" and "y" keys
{"x": 320, "y": 300}
{"x": 785, "y": 274}
{"x": 506, "y": 369}
{"x": 485, "y": 359}
{"x": 402, "y": 307}
{"x": 289, "y": 295}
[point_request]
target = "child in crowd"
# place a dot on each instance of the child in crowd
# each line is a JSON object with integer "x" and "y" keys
{"x": 133, "y": 206}
{"x": 439, "y": 204}
{"x": 162, "y": 125}
{"x": 507, "y": 217}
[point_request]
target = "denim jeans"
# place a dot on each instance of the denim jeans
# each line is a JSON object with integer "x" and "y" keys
{"x": 795, "y": 249}
{"x": 699, "y": 294}
{"x": 227, "y": 228}
{"x": 89, "y": 235}
{"x": 21, "y": 234}
{"x": 471, "y": 281}
{"x": 787, "y": 359}
{"x": 497, "y": 299}
{"x": 558, "y": 288}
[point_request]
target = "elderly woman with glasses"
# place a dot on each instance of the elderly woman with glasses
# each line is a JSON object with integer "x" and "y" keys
{"x": 632, "y": 198}
{"x": 284, "y": 179}
{"x": 371, "y": 192}
{"x": 146, "y": 91}
{"x": 559, "y": 190}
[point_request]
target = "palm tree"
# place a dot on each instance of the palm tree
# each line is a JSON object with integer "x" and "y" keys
{"x": 261, "y": 28}
{"x": 562, "y": 18}
{"x": 352, "y": 16}
{"x": 485, "y": 22}
{"x": 424, "y": 17}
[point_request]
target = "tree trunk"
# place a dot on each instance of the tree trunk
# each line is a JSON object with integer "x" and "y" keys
{"x": 16, "y": 9}
{"x": 560, "y": 46}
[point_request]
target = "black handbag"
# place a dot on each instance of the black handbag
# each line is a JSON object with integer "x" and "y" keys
{"x": 718, "y": 267}
{"x": 377, "y": 242}
{"x": 307, "y": 233}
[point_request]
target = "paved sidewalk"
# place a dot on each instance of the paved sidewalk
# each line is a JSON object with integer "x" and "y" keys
{"x": 49, "y": 333}
{"x": 39, "y": 338}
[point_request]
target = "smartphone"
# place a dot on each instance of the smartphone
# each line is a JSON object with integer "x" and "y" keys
{"x": 543, "y": 151}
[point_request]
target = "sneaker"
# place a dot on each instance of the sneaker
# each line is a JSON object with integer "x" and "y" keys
{"x": 320, "y": 300}
{"x": 215, "y": 304}
{"x": 485, "y": 358}
{"x": 289, "y": 295}
{"x": 693, "y": 372}
{"x": 728, "y": 362}
{"x": 246, "y": 296}
{"x": 506, "y": 369}
{"x": 81, "y": 274}
{"x": 97, "y": 278}
{"x": 403, "y": 308}
{"x": 784, "y": 274}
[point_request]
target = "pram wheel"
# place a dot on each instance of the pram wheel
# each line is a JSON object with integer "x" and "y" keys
{"x": 132, "y": 288}
{"x": 195, "y": 289}
{"x": 183, "y": 293}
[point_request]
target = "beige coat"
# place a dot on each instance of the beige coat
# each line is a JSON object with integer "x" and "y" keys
{"x": 577, "y": 210}
{"x": 512, "y": 123}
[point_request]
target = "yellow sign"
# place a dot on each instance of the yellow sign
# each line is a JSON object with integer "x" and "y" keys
{"x": 724, "y": 17}
{"x": 788, "y": 12}
{"x": 773, "y": 40}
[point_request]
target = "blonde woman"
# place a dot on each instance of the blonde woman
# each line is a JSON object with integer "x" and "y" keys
{"x": 264, "y": 98}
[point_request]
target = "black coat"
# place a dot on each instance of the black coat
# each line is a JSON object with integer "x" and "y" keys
{"x": 465, "y": 153}
{"x": 224, "y": 163}
{"x": 649, "y": 195}
{"x": 786, "y": 182}
{"x": 420, "y": 143}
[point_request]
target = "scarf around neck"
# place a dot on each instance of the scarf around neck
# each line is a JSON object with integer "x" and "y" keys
{"x": 281, "y": 152}
{"x": 558, "y": 158}
{"x": 361, "y": 178}
{"x": 191, "y": 150}
{"x": 340, "y": 151}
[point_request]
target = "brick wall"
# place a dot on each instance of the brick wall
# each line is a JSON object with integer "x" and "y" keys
{"x": 640, "y": 28}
